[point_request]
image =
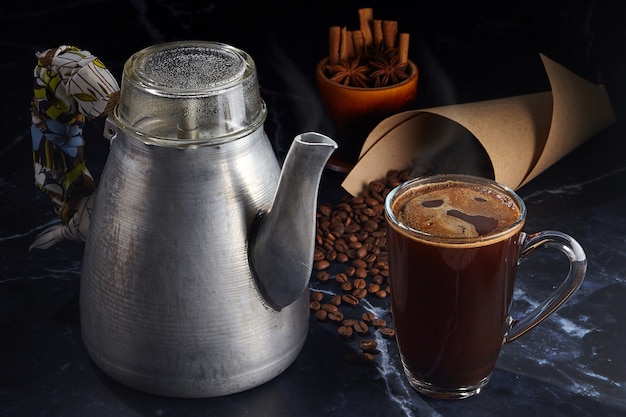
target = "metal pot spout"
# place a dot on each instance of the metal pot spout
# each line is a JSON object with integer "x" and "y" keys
{"x": 282, "y": 248}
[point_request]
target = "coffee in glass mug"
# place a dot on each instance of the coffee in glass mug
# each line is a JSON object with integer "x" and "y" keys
{"x": 454, "y": 244}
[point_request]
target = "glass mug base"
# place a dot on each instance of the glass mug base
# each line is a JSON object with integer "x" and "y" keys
{"x": 445, "y": 393}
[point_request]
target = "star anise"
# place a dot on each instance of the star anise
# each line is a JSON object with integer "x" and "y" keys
{"x": 386, "y": 68}
{"x": 349, "y": 73}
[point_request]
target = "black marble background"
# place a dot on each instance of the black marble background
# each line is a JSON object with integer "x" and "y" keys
{"x": 466, "y": 51}
{"x": 572, "y": 365}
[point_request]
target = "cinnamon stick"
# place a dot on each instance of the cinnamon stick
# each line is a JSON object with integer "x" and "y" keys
{"x": 358, "y": 42}
{"x": 403, "y": 48}
{"x": 377, "y": 28}
{"x": 334, "y": 39}
{"x": 366, "y": 15}
{"x": 390, "y": 32}
{"x": 350, "y": 53}
{"x": 343, "y": 44}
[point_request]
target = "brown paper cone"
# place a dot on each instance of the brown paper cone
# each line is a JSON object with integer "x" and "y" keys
{"x": 522, "y": 135}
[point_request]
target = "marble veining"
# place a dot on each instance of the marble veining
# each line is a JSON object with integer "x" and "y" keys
{"x": 569, "y": 189}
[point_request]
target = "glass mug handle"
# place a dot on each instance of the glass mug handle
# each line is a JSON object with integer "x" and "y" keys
{"x": 578, "y": 267}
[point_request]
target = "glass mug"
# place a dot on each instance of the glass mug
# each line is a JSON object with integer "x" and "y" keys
{"x": 454, "y": 244}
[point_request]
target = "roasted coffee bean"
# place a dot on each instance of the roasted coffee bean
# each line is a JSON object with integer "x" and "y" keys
{"x": 344, "y": 206}
{"x": 342, "y": 258}
{"x": 350, "y": 299}
{"x": 363, "y": 235}
{"x": 321, "y": 315}
{"x": 322, "y": 264}
{"x": 352, "y": 228}
{"x": 335, "y": 316}
{"x": 323, "y": 276}
{"x": 331, "y": 308}
{"x": 369, "y": 212}
{"x": 355, "y": 244}
{"x": 368, "y": 316}
{"x": 370, "y": 258}
{"x": 371, "y": 202}
{"x": 325, "y": 209}
{"x": 381, "y": 294}
{"x": 378, "y": 323}
{"x": 383, "y": 264}
{"x": 368, "y": 345}
{"x": 359, "y": 263}
{"x": 370, "y": 225}
{"x": 367, "y": 357}
{"x": 341, "y": 246}
{"x": 360, "y": 273}
{"x": 376, "y": 185}
{"x": 314, "y": 305}
{"x": 316, "y": 296}
{"x": 373, "y": 288}
{"x": 337, "y": 229}
{"x": 335, "y": 300}
{"x": 359, "y": 283}
{"x": 384, "y": 259}
{"x": 380, "y": 197}
{"x": 346, "y": 286}
{"x": 387, "y": 332}
{"x": 345, "y": 331}
{"x": 361, "y": 327}
{"x": 341, "y": 278}
{"x": 349, "y": 322}
{"x": 359, "y": 293}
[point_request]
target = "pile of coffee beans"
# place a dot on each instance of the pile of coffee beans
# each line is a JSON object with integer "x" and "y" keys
{"x": 351, "y": 263}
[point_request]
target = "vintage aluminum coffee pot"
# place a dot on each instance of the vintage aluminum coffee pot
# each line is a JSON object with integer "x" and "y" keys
{"x": 200, "y": 248}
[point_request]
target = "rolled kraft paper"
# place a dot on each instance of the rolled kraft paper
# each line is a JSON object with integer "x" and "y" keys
{"x": 522, "y": 135}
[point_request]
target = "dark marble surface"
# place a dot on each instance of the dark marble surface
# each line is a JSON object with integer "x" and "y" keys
{"x": 571, "y": 365}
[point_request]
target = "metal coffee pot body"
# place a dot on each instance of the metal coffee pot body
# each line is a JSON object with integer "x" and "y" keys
{"x": 200, "y": 247}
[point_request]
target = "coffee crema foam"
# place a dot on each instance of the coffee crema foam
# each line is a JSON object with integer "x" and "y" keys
{"x": 456, "y": 210}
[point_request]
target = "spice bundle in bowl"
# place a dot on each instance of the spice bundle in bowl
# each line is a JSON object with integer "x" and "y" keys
{"x": 366, "y": 77}
{"x": 375, "y": 55}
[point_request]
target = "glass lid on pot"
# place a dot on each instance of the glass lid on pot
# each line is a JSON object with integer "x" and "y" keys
{"x": 190, "y": 92}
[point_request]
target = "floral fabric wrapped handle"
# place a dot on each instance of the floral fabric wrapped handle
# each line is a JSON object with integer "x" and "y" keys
{"x": 71, "y": 87}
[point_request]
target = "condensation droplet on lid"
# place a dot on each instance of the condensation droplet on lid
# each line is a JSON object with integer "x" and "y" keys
{"x": 192, "y": 68}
